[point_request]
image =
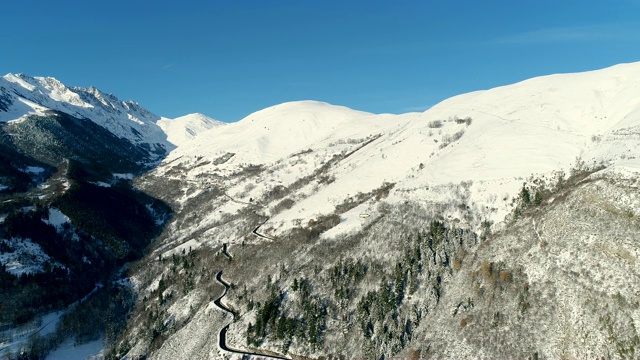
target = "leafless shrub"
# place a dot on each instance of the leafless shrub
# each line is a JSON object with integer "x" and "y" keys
{"x": 307, "y": 151}
{"x": 435, "y": 124}
{"x": 460, "y": 121}
{"x": 505, "y": 276}
{"x": 223, "y": 159}
{"x": 283, "y": 205}
{"x": 250, "y": 170}
{"x": 277, "y": 192}
{"x": 314, "y": 228}
{"x": 449, "y": 138}
{"x": 351, "y": 202}
{"x": 486, "y": 270}
{"x": 383, "y": 191}
{"x": 457, "y": 264}
{"x": 326, "y": 179}
{"x": 414, "y": 354}
{"x": 463, "y": 322}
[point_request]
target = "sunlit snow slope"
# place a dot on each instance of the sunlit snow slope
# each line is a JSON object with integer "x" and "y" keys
{"x": 482, "y": 146}
{"x": 185, "y": 128}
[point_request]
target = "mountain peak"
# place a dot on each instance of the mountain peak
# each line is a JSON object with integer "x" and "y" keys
{"x": 184, "y": 128}
{"x": 196, "y": 116}
{"x": 290, "y": 113}
{"x": 26, "y": 95}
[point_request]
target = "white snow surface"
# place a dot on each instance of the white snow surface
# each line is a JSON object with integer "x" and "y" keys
{"x": 123, "y": 176}
{"x": 272, "y": 133}
{"x": 14, "y": 339}
{"x": 185, "y": 128}
{"x": 69, "y": 351}
{"x": 34, "y": 169}
{"x": 25, "y": 257}
{"x": 35, "y": 95}
{"x": 532, "y": 129}
{"x": 56, "y": 219}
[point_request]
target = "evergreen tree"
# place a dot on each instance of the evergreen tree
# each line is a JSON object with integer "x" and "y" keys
{"x": 525, "y": 196}
{"x": 537, "y": 198}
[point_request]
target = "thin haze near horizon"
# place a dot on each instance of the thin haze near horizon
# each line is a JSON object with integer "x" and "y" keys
{"x": 227, "y": 59}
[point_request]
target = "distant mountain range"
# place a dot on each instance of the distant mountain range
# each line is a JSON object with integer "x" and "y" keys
{"x": 22, "y": 95}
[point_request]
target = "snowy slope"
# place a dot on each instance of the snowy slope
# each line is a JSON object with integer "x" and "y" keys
{"x": 532, "y": 129}
{"x": 272, "y": 133}
{"x": 22, "y": 95}
{"x": 280, "y": 188}
{"x": 185, "y": 128}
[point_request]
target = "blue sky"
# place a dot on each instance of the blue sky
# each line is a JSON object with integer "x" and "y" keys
{"x": 229, "y": 58}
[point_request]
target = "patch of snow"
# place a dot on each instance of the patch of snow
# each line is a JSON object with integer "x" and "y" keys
{"x": 627, "y": 167}
{"x": 159, "y": 220}
{"x": 69, "y": 351}
{"x": 186, "y": 247}
{"x": 351, "y": 221}
{"x": 14, "y": 339}
{"x": 56, "y": 219}
{"x": 34, "y": 169}
{"x": 25, "y": 257}
{"x": 20, "y": 109}
{"x": 102, "y": 184}
{"x": 124, "y": 176}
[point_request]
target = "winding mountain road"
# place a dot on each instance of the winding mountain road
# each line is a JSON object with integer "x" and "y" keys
{"x": 222, "y": 337}
{"x": 262, "y": 236}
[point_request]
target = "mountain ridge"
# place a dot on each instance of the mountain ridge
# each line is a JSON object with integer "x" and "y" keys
{"x": 184, "y": 128}
{"x": 549, "y": 125}
{"x": 24, "y": 95}
{"x": 497, "y": 224}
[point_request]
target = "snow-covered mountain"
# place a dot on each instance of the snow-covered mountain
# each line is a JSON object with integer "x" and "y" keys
{"x": 69, "y": 219}
{"x": 22, "y": 95}
{"x": 492, "y": 140}
{"x": 495, "y": 224}
{"x": 185, "y": 128}
{"x": 499, "y": 223}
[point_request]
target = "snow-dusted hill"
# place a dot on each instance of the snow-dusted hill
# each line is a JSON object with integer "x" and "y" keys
{"x": 22, "y": 95}
{"x": 489, "y": 141}
{"x": 185, "y": 128}
{"x": 270, "y": 134}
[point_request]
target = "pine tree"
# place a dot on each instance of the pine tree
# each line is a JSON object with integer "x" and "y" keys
{"x": 537, "y": 198}
{"x": 525, "y": 196}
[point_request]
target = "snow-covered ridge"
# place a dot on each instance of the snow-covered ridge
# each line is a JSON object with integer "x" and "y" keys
{"x": 22, "y": 95}
{"x": 185, "y": 128}
{"x": 491, "y": 141}
{"x": 272, "y": 133}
